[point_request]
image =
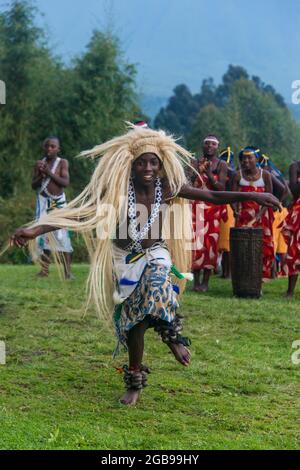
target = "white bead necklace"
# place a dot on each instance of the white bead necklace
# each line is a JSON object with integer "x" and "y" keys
{"x": 134, "y": 234}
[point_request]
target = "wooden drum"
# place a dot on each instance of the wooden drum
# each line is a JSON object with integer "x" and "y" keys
{"x": 246, "y": 247}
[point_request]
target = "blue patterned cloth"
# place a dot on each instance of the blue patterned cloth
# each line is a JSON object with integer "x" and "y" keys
{"x": 153, "y": 297}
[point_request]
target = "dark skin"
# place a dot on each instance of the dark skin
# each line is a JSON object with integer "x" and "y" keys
{"x": 294, "y": 185}
{"x": 280, "y": 188}
{"x": 251, "y": 173}
{"x": 145, "y": 170}
{"x": 210, "y": 165}
{"x": 59, "y": 180}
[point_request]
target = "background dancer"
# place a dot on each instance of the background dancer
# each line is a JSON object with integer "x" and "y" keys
{"x": 224, "y": 241}
{"x": 291, "y": 231}
{"x": 282, "y": 192}
{"x": 206, "y": 216}
{"x": 51, "y": 177}
{"x": 250, "y": 178}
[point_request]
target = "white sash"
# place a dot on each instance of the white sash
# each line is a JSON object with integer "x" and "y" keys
{"x": 46, "y": 181}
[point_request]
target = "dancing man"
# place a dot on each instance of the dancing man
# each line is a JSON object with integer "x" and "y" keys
{"x": 135, "y": 217}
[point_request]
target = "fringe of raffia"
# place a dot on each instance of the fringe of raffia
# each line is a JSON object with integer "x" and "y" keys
{"x": 90, "y": 213}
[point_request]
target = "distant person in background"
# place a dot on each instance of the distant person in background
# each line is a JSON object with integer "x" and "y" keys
{"x": 291, "y": 230}
{"x": 282, "y": 192}
{"x": 227, "y": 156}
{"x": 252, "y": 178}
{"x": 51, "y": 177}
{"x": 207, "y": 216}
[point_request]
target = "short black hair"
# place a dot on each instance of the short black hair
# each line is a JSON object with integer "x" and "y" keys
{"x": 51, "y": 137}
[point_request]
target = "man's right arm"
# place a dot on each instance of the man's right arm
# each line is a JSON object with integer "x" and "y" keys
{"x": 226, "y": 197}
{"x": 22, "y": 235}
{"x": 37, "y": 178}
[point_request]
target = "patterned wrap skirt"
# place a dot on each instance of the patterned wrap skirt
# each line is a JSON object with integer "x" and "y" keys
{"x": 144, "y": 289}
{"x": 44, "y": 205}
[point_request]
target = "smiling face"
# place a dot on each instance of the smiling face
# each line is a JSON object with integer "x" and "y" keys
{"x": 210, "y": 148}
{"x": 146, "y": 168}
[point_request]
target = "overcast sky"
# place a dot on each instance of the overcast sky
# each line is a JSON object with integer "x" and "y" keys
{"x": 184, "y": 41}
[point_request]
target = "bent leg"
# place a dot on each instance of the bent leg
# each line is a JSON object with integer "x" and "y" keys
{"x": 170, "y": 335}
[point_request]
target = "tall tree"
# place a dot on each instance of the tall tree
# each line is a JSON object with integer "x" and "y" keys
{"x": 210, "y": 120}
{"x": 251, "y": 116}
{"x": 101, "y": 98}
{"x": 180, "y": 112}
{"x": 83, "y": 104}
{"x": 233, "y": 74}
{"x": 19, "y": 39}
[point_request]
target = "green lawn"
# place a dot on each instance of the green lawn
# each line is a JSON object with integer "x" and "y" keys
{"x": 59, "y": 388}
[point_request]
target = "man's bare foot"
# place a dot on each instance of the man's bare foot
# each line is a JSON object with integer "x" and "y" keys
{"x": 197, "y": 288}
{"x": 289, "y": 295}
{"x": 131, "y": 397}
{"x": 203, "y": 288}
{"x": 181, "y": 353}
{"x": 69, "y": 277}
{"x": 42, "y": 274}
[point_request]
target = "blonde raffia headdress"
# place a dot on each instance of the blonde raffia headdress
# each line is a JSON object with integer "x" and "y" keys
{"x": 89, "y": 213}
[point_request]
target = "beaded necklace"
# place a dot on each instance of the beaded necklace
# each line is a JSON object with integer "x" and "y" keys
{"x": 133, "y": 232}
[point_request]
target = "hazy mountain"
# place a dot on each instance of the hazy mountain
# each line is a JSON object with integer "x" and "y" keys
{"x": 151, "y": 104}
{"x": 295, "y": 110}
{"x": 175, "y": 41}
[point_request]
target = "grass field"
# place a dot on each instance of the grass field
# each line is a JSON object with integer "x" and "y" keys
{"x": 59, "y": 388}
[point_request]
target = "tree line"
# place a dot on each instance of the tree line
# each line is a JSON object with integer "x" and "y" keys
{"x": 242, "y": 111}
{"x": 86, "y": 102}
{"x": 83, "y": 104}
